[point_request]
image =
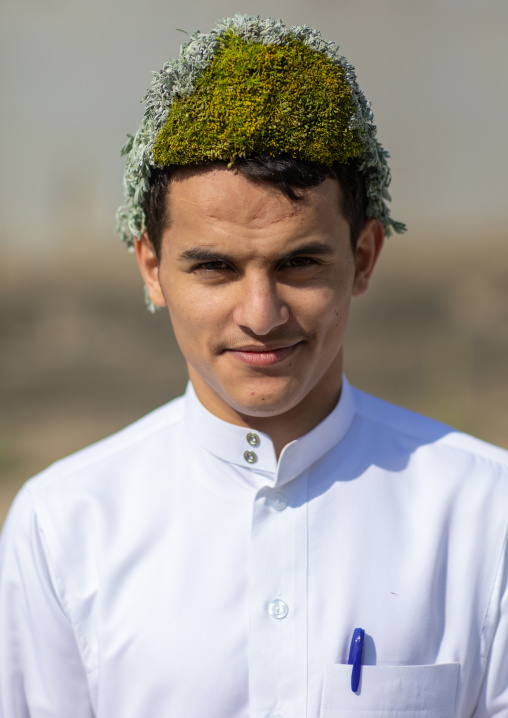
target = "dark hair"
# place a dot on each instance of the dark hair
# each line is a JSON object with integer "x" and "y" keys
{"x": 287, "y": 174}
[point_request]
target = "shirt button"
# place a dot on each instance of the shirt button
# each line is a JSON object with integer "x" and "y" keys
{"x": 277, "y": 500}
{"x": 275, "y": 715}
{"x": 250, "y": 457}
{"x": 252, "y": 439}
{"x": 278, "y": 609}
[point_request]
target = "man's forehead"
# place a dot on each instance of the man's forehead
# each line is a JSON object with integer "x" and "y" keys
{"x": 220, "y": 192}
{"x": 225, "y": 196}
{"x": 263, "y": 225}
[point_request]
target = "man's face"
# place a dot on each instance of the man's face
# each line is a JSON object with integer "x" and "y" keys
{"x": 258, "y": 288}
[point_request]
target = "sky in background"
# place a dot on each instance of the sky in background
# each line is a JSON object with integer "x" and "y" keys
{"x": 73, "y": 74}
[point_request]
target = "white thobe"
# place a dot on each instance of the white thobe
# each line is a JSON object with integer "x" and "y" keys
{"x": 178, "y": 569}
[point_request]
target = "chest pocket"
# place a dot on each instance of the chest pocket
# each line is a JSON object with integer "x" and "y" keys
{"x": 391, "y": 691}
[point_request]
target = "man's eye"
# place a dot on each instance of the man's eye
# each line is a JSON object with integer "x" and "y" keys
{"x": 212, "y": 266}
{"x": 301, "y": 262}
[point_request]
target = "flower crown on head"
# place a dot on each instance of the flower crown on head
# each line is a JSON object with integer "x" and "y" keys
{"x": 253, "y": 86}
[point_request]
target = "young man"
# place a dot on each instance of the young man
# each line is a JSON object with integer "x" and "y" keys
{"x": 275, "y": 543}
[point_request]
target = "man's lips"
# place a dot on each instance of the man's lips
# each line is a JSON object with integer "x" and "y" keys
{"x": 263, "y": 356}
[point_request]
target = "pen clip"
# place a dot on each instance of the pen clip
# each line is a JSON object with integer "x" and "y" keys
{"x": 355, "y": 657}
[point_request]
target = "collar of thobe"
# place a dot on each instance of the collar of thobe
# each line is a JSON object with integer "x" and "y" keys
{"x": 254, "y": 450}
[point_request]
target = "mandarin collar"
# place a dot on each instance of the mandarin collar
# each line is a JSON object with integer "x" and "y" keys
{"x": 254, "y": 450}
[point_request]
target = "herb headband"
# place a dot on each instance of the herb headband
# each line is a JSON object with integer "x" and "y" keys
{"x": 254, "y": 86}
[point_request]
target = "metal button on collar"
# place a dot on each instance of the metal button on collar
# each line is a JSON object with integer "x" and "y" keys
{"x": 277, "y": 500}
{"x": 250, "y": 457}
{"x": 252, "y": 439}
{"x": 278, "y": 609}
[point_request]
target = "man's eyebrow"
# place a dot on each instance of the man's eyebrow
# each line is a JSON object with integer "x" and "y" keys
{"x": 200, "y": 254}
{"x": 314, "y": 247}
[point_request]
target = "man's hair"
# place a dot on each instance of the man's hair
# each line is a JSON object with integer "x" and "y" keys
{"x": 287, "y": 174}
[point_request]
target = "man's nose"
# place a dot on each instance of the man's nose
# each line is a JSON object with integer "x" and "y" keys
{"x": 259, "y": 306}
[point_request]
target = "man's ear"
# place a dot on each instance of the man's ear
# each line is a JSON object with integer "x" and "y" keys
{"x": 149, "y": 268}
{"x": 369, "y": 245}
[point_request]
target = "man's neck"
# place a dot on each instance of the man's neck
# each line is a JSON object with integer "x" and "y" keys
{"x": 283, "y": 427}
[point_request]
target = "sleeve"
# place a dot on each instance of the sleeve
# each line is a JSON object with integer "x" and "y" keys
{"x": 493, "y": 700}
{"x": 41, "y": 675}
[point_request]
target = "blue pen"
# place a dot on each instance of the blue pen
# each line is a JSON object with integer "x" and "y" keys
{"x": 355, "y": 657}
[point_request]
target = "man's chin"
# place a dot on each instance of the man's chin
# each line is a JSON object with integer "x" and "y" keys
{"x": 259, "y": 403}
{"x": 256, "y": 397}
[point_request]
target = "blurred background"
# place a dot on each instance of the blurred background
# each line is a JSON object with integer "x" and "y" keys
{"x": 80, "y": 357}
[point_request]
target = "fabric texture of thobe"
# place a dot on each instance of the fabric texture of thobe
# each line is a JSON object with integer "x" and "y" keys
{"x": 178, "y": 569}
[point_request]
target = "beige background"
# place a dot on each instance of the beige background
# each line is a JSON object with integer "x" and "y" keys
{"x": 79, "y": 357}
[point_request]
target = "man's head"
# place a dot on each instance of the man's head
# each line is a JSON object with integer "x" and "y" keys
{"x": 257, "y": 190}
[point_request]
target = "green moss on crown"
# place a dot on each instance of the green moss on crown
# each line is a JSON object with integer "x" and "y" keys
{"x": 284, "y": 99}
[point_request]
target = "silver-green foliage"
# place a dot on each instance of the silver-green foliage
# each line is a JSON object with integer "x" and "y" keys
{"x": 178, "y": 78}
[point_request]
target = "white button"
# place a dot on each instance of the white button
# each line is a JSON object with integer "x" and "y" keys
{"x": 278, "y": 501}
{"x": 278, "y": 609}
{"x": 275, "y": 715}
{"x": 250, "y": 457}
{"x": 252, "y": 439}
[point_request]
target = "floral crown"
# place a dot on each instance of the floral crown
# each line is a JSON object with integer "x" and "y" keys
{"x": 248, "y": 87}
